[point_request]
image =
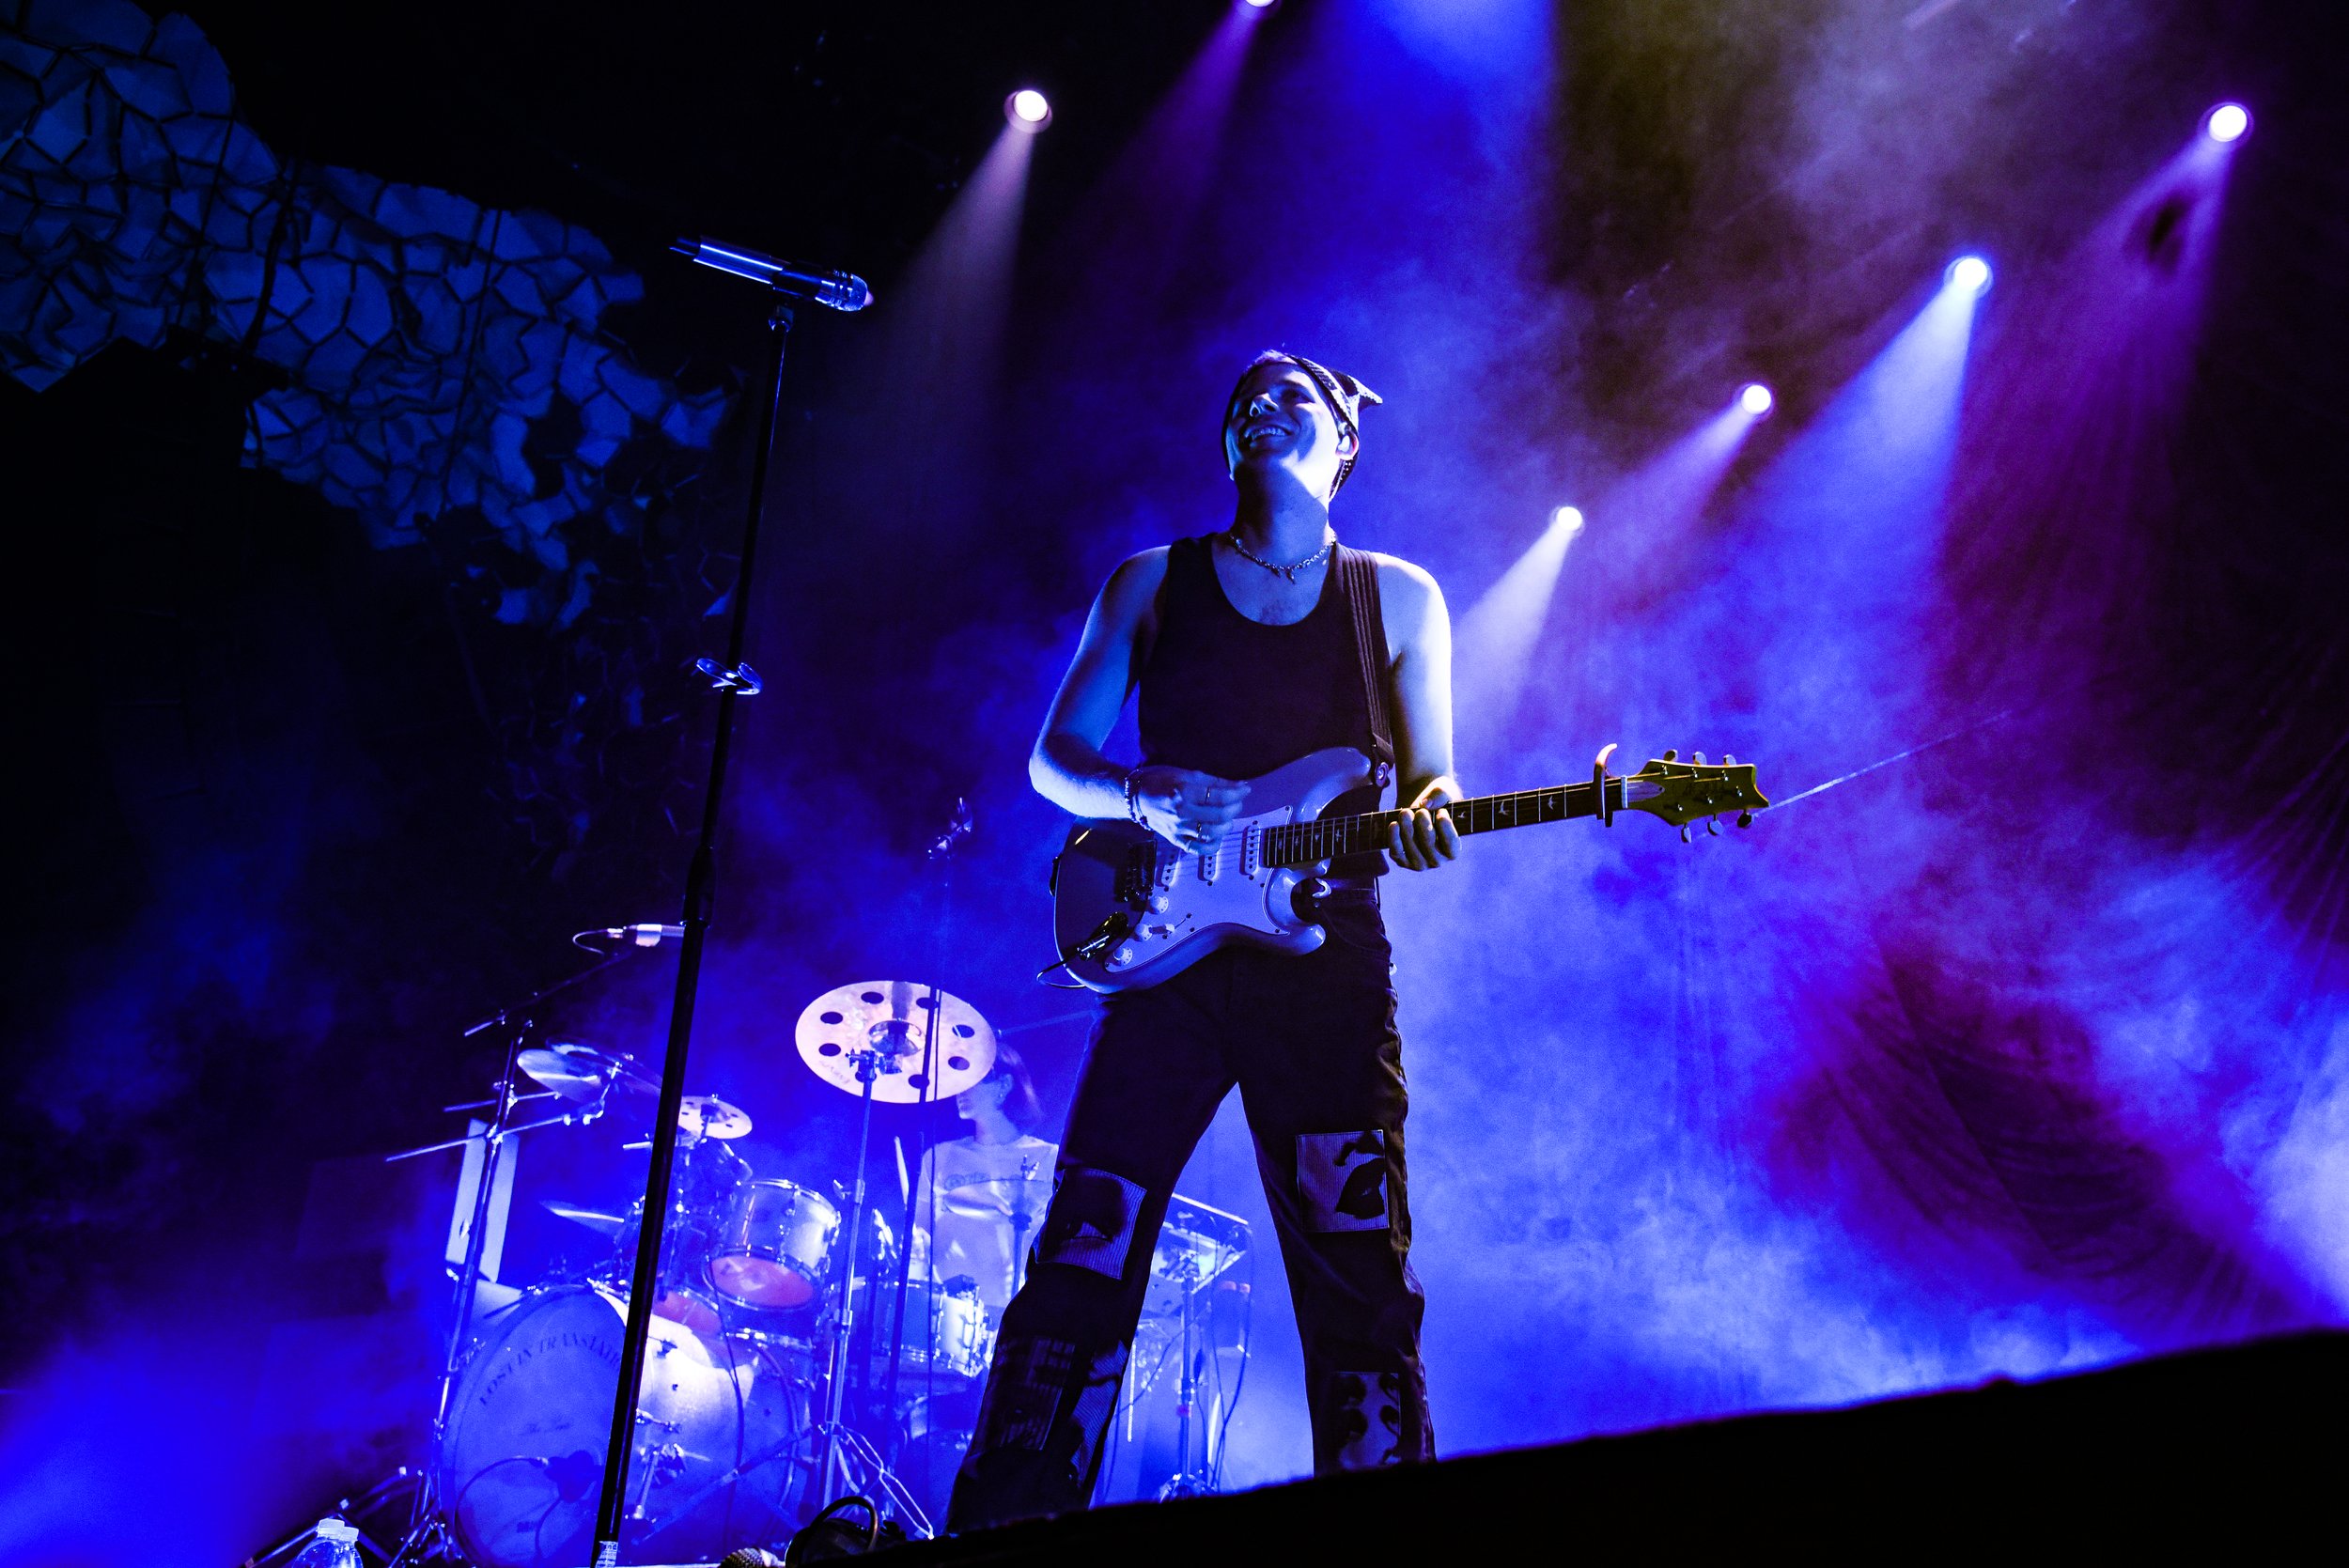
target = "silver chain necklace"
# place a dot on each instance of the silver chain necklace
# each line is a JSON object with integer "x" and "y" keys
{"x": 1290, "y": 572}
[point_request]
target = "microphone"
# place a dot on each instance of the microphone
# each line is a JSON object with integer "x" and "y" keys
{"x": 644, "y": 933}
{"x": 839, "y": 290}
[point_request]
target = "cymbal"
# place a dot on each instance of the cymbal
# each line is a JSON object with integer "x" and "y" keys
{"x": 594, "y": 1219}
{"x": 999, "y": 1197}
{"x": 578, "y": 1071}
{"x": 707, "y": 1116}
{"x": 889, "y": 1020}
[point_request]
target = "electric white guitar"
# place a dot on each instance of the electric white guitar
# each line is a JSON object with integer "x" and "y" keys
{"x": 1129, "y": 910}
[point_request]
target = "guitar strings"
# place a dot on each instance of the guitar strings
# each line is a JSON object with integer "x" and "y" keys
{"x": 1897, "y": 757}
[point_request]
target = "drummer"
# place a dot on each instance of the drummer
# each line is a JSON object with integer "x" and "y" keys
{"x": 982, "y": 1196}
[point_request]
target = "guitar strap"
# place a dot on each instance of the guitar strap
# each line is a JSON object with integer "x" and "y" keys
{"x": 1358, "y": 572}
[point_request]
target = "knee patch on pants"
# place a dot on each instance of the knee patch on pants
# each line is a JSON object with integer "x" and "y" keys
{"x": 1342, "y": 1180}
{"x": 1091, "y": 1223}
{"x": 1366, "y": 1408}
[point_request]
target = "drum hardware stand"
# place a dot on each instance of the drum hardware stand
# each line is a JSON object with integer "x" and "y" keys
{"x": 843, "y": 1448}
{"x": 427, "y": 1533}
{"x": 1023, "y": 1220}
{"x": 940, "y": 853}
{"x": 732, "y": 680}
{"x": 1186, "y": 1482}
{"x": 833, "y": 1429}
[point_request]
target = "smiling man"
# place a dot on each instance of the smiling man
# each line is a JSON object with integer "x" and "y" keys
{"x": 1246, "y": 649}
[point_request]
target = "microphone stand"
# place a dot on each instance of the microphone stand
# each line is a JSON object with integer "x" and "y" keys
{"x": 733, "y": 680}
{"x": 940, "y": 854}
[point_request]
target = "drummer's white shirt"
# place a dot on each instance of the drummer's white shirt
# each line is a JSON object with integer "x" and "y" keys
{"x": 980, "y": 1176}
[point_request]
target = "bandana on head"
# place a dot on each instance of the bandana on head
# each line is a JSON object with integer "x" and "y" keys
{"x": 1343, "y": 393}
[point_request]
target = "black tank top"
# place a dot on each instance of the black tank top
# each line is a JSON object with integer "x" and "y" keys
{"x": 1237, "y": 698}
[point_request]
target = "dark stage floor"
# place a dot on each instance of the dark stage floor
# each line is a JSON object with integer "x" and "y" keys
{"x": 2238, "y": 1449}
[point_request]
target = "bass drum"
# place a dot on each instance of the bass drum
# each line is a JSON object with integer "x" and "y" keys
{"x": 720, "y": 1449}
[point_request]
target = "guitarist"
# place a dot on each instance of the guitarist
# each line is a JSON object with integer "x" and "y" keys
{"x": 1247, "y": 649}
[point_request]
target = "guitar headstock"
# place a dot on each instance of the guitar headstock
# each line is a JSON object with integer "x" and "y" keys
{"x": 1682, "y": 792}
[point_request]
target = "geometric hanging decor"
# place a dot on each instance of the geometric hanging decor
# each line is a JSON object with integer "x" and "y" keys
{"x": 423, "y": 339}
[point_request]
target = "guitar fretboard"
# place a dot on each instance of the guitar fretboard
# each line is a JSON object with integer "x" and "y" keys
{"x": 1298, "y": 843}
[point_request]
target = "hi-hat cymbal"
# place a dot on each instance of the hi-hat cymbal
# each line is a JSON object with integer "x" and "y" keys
{"x": 888, "y": 1020}
{"x": 578, "y": 1071}
{"x": 707, "y": 1116}
{"x": 999, "y": 1197}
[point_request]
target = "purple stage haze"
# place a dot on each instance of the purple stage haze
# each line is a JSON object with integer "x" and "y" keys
{"x": 1845, "y": 1105}
{"x": 2023, "y": 1054}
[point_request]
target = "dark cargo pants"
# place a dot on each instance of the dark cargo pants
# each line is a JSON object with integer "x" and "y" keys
{"x": 1311, "y": 1042}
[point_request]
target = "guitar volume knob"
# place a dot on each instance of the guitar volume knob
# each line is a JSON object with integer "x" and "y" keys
{"x": 1159, "y": 902}
{"x": 1123, "y": 956}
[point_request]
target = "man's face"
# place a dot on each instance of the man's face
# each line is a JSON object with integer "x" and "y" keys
{"x": 1283, "y": 422}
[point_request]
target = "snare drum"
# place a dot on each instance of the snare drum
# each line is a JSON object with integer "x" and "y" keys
{"x": 773, "y": 1248}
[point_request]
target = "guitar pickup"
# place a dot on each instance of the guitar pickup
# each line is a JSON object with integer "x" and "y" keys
{"x": 1138, "y": 876}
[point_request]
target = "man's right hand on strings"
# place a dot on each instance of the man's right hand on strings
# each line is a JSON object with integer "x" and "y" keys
{"x": 1189, "y": 810}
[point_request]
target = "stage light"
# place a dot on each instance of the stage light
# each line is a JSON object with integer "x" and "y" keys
{"x": 1261, "y": 5}
{"x": 1755, "y": 399}
{"x": 1971, "y": 273}
{"x": 1567, "y": 518}
{"x": 1028, "y": 110}
{"x": 2227, "y": 123}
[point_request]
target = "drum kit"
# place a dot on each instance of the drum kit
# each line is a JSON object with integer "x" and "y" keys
{"x": 743, "y": 1421}
{"x": 796, "y": 1352}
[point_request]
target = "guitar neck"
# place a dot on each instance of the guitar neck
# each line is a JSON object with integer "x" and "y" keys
{"x": 1300, "y": 844}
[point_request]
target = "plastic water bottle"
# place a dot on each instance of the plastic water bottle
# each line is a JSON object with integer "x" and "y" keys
{"x": 333, "y": 1544}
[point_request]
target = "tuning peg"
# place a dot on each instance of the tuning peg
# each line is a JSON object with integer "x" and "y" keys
{"x": 1728, "y": 761}
{"x": 1697, "y": 758}
{"x": 1684, "y": 834}
{"x": 1671, "y": 755}
{"x": 1745, "y": 819}
{"x": 1713, "y": 826}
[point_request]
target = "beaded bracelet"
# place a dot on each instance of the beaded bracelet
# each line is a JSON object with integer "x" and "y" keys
{"x": 1134, "y": 799}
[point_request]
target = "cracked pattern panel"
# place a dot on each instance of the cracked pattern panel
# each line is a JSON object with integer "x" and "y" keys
{"x": 430, "y": 354}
